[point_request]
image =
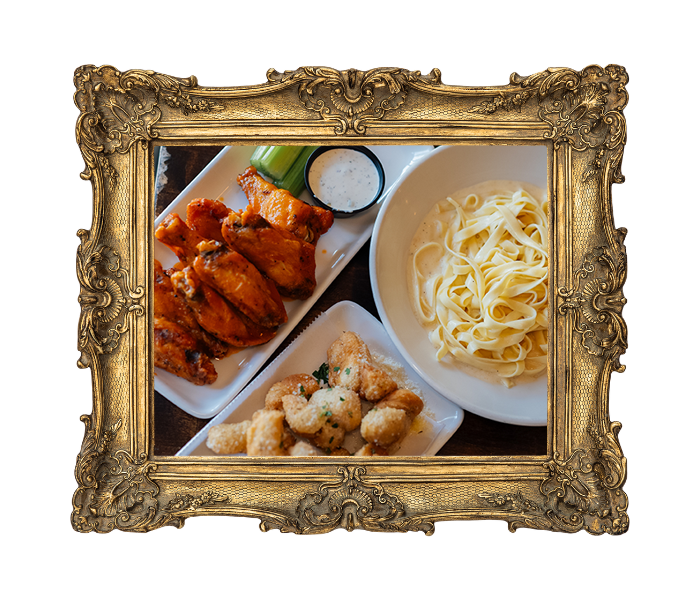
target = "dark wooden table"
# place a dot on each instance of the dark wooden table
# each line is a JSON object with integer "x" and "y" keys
{"x": 174, "y": 427}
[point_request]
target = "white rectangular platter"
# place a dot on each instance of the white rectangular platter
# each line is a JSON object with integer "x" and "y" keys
{"x": 436, "y": 424}
{"x": 334, "y": 250}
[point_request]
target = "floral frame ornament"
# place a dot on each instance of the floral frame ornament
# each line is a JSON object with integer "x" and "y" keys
{"x": 577, "y": 486}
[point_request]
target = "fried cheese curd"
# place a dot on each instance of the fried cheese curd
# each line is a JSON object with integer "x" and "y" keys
{"x": 389, "y": 421}
{"x": 350, "y": 364}
{"x": 371, "y": 450}
{"x": 325, "y": 417}
{"x": 265, "y": 436}
{"x": 301, "y": 418}
{"x": 337, "y": 406}
{"x": 303, "y": 448}
{"x": 228, "y": 438}
{"x": 298, "y": 385}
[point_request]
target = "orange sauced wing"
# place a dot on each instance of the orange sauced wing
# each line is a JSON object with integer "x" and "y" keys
{"x": 282, "y": 210}
{"x": 284, "y": 258}
{"x": 178, "y": 351}
{"x": 237, "y": 279}
{"x": 172, "y": 306}
{"x": 205, "y": 216}
{"x": 215, "y": 314}
{"x": 174, "y": 233}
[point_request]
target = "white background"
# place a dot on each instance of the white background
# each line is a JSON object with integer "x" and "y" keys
{"x": 234, "y": 44}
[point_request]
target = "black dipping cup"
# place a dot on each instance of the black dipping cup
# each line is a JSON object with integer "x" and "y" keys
{"x": 361, "y": 149}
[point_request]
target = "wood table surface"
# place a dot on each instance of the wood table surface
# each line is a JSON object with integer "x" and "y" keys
{"x": 173, "y": 427}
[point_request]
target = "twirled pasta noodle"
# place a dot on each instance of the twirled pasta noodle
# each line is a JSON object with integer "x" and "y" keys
{"x": 485, "y": 298}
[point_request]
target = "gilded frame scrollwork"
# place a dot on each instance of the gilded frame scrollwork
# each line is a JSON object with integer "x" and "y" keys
{"x": 578, "y": 485}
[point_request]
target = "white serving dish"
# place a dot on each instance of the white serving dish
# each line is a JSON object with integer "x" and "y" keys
{"x": 440, "y": 174}
{"x": 439, "y": 419}
{"x": 334, "y": 251}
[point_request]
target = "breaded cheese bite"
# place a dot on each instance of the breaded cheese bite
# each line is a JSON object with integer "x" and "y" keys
{"x": 371, "y": 450}
{"x": 265, "y": 436}
{"x": 385, "y": 426}
{"x": 389, "y": 421}
{"x": 302, "y": 448}
{"x": 330, "y": 437}
{"x": 228, "y": 438}
{"x": 350, "y": 364}
{"x": 337, "y": 406}
{"x": 298, "y": 385}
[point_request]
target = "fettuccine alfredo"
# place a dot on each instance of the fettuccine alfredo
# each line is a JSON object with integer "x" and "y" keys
{"x": 479, "y": 273}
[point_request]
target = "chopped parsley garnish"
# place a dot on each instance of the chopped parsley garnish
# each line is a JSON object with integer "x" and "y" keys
{"x": 334, "y": 426}
{"x": 328, "y": 413}
{"x": 321, "y": 374}
{"x": 302, "y": 390}
{"x": 331, "y": 440}
{"x": 342, "y": 399}
{"x": 336, "y": 369}
{"x": 347, "y": 371}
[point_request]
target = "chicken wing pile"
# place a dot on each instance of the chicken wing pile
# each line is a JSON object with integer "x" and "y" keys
{"x": 302, "y": 418}
{"x": 234, "y": 270}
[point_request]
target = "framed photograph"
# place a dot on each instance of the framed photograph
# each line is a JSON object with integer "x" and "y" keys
{"x": 352, "y": 299}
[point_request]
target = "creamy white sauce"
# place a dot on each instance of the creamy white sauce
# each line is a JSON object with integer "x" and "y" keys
{"x": 432, "y": 262}
{"x": 343, "y": 179}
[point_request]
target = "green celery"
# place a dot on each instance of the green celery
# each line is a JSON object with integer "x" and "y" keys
{"x": 277, "y": 160}
{"x": 258, "y": 156}
{"x": 293, "y": 180}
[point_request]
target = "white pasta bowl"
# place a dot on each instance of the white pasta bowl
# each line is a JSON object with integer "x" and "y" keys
{"x": 440, "y": 174}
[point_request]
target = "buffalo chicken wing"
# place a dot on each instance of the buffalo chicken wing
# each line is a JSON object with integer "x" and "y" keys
{"x": 285, "y": 259}
{"x": 215, "y": 314}
{"x": 176, "y": 235}
{"x": 237, "y": 279}
{"x": 171, "y": 305}
{"x": 178, "y": 352}
{"x": 282, "y": 210}
{"x": 206, "y": 216}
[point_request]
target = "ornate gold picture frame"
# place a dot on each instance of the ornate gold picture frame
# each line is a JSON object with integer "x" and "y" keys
{"x": 576, "y": 485}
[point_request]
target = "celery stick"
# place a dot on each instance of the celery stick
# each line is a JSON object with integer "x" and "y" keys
{"x": 257, "y": 158}
{"x": 293, "y": 180}
{"x": 278, "y": 160}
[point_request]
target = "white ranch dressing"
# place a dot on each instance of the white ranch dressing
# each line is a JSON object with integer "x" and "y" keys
{"x": 344, "y": 180}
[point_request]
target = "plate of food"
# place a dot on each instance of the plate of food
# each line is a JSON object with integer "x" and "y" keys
{"x": 459, "y": 272}
{"x": 241, "y": 320}
{"x": 341, "y": 388}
